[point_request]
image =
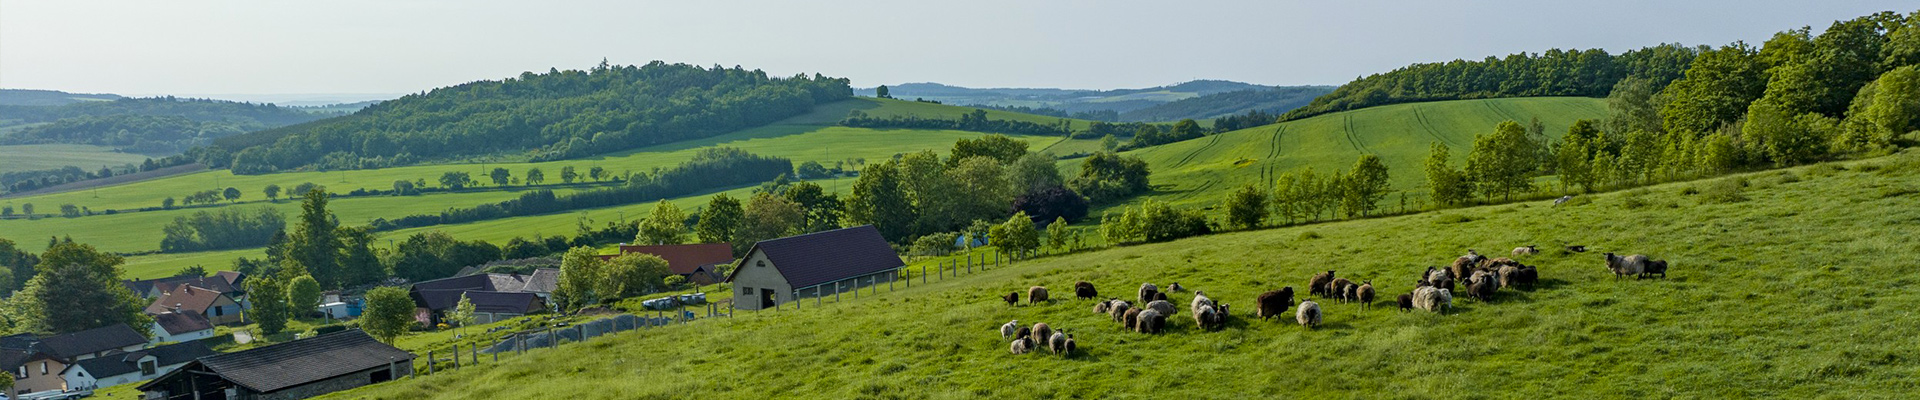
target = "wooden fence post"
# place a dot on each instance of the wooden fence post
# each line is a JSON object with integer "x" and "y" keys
{"x": 923, "y": 273}
{"x": 456, "y": 356}
{"x": 816, "y": 297}
{"x": 836, "y": 291}
{"x": 430, "y": 361}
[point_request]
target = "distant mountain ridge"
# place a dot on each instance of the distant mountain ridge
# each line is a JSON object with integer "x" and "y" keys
{"x": 1120, "y": 104}
{"x": 36, "y": 97}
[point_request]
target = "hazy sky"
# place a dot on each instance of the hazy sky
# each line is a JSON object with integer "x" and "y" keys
{"x": 340, "y": 46}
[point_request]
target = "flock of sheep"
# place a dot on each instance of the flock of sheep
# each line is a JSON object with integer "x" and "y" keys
{"x": 1481, "y": 278}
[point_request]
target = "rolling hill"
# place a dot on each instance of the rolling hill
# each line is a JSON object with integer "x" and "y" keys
{"x": 1787, "y": 291}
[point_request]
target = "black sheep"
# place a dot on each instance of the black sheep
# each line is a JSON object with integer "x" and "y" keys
{"x": 1084, "y": 290}
{"x": 1011, "y": 298}
{"x": 1273, "y": 303}
{"x": 1406, "y": 302}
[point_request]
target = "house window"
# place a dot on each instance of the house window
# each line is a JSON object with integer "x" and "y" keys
{"x": 43, "y": 367}
{"x": 219, "y": 311}
{"x": 746, "y": 291}
{"x": 147, "y": 367}
{"x": 762, "y": 263}
{"x": 23, "y": 372}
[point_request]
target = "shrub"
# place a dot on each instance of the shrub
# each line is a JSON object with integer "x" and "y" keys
{"x": 1725, "y": 191}
{"x": 1309, "y": 235}
{"x": 1452, "y": 219}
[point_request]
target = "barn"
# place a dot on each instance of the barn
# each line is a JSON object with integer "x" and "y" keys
{"x": 782, "y": 270}
{"x": 293, "y": 370}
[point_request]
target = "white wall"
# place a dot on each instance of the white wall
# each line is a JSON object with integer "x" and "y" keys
{"x": 751, "y": 275}
{"x": 160, "y": 335}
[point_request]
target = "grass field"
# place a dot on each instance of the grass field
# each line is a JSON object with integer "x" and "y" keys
{"x": 1201, "y": 172}
{"x": 48, "y": 156}
{"x": 1797, "y": 289}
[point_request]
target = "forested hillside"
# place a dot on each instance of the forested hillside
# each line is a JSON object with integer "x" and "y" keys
{"x": 31, "y": 97}
{"x": 148, "y": 125}
{"x": 1589, "y": 73}
{"x": 559, "y": 114}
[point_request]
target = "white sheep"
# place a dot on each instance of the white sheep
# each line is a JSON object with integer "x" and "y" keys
{"x": 1309, "y": 314}
{"x": 1199, "y": 299}
{"x": 1432, "y": 299}
{"x": 1162, "y": 306}
{"x": 1021, "y": 346}
{"x": 1007, "y": 331}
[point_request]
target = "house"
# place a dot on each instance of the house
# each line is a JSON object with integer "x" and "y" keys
{"x": 226, "y": 282}
{"x": 694, "y": 261}
{"x": 32, "y": 371}
{"x": 76, "y": 346}
{"x": 37, "y": 363}
{"x": 781, "y": 270}
{"x": 121, "y": 368}
{"x": 214, "y": 305}
{"x": 180, "y": 327}
{"x": 543, "y": 283}
{"x": 494, "y": 296}
{"x": 292, "y": 370}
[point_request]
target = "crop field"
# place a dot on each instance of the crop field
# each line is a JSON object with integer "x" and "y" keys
{"x": 1790, "y": 283}
{"x": 48, "y": 156}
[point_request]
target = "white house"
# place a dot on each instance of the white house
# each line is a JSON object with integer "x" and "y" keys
{"x": 122, "y": 368}
{"x": 787, "y": 269}
{"x": 180, "y": 327}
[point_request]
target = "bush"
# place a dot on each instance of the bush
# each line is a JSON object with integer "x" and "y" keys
{"x": 1725, "y": 191}
{"x": 1632, "y": 199}
{"x": 1452, "y": 219}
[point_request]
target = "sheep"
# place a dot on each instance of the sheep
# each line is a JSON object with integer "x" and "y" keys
{"x": 1151, "y": 321}
{"x": 1024, "y": 333}
{"x": 1132, "y": 318}
{"x": 1273, "y": 303}
{"x": 1007, "y": 331}
{"x": 1147, "y": 290}
{"x": 1655, "y": 267}
{"x": 1495, "y": 263}
{"x": 1175, "y": 288}
{"x": 1474, "y": 257}
{"x": 1021, "y": 346}
{"x": 1036, "y": 295}
{"x": 1041, "y": 332}
{"x": 1352, "y": 293}
{"x": 1119, "y": 309}
{"x": 1071, "y": 346}
{"x": 1162, "y": 296}
{"x": 1561, "y": 200}
{"x": 1459, "y": 269}
{"x": 1208, "y": 318}
{"x": 1084, "y": 290}
{"x": 1577, "y": 248}
{"x": 1164, "y": 307}
{"x": 1011, "y": 298}
{"x": 1364, "y": 294}
{"x": 1432, "y": 299}
{"x": 1439, "y": 275}
{"x": 1308, "y": 315}
{"x": 1525, "y": 251}
{"x": 1509, "y": 276}
{"x": 1338, "y": 289}
{"x": 1057, "y": 343}
{"x": 1629, "y": 265}
{"x": 1199, "y": 299}
{"x": 1528, "y": 275}
{"x": 1406, "y": 300}
{"x": 1482, "y": 289}
{"x": 1102, "y": 307}
{"x": 1318, "y": 285}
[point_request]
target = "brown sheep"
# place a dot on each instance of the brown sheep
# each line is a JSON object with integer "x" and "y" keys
{"x": 1338, "y": 289}
{"x": 1318, "y": 285}
{"x": 1084, "y": 290}
{"x": 1509, "y": 276}
{"x": 1036, "y": 295}
{"x": 1058, "y": 343}
{"x": 1460, "y": 268}
{"x": 1041, "y": 332}
{"x": 1495, "y": 263}
{"x": 1071, "y": 346}
{"x": 1406, "y": 301}
{"x": 1131, "y": 320}
{"x": 1364, "y": 294}
{"x": 1011, "y": 298}
{"x": 1630, "y": 265}
{"x": 1161, "y": 296}
{"x": 1147, "y": 290}
{"x": 1273, "y": 303}
{"x": 1528, "y": 276}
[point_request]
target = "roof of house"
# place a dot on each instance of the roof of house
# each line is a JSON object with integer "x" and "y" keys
{"x": 543, "y": 280}
{"x": 299, "y": 362}
{"x": 110, "y": 337}
{"x": 19, "y": 341}
{"x": 685, "y": 259}
{"x": 186, "y": 297}
{"x": 12, "y": 359}
{"x": 128, "y": 362}
{"x": 503, "y": 302}
{"x": 232, "y": 277}
{"x": 177, "y": 323}
{"x": 214, "y": 283}
{"x": 822, "y": 257}
{"x": 141, "y": 287}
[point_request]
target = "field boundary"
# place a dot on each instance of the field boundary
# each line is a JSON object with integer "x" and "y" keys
{"x": 112, "y": 180}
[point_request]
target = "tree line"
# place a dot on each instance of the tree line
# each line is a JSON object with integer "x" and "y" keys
{"x": 225, "y": 229}
{"x": 1590, "y": 73}
{"x": 975, "y": 121}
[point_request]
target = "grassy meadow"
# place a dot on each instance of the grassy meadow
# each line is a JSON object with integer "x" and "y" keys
{"x": 1791, "y": 283}
{"x": 28, "y": 157}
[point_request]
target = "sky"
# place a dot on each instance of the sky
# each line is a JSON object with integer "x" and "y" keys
{"x": 349, "y": 49}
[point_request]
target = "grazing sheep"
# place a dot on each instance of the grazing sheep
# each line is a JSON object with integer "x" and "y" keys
{"x": 1629, "y": 265}
{"x": 1132, "y": 319}
{"x": 1318, "y": 285}
{"x": 1459, "y": 269}
{"x": 1577, "y": 248}
{"x": 1655, "y": 267}
{"x": 1338, "y": 289}
{"x": 1352, "y": 293}
{"x": 1561, "y": 200}
{"x": 1164, "y": 307}
{"x": 1525, "y": 251}
{"x": 1496, "y": 263}
{"x": 1151, "y": 321}
{"x": 1071, "y": 346}
{"x": 1036, "y": 295}
{"x": 1007, "y": 331}
{"x": 1273, "y": 303}
{"x": 1308, "y": 315}
{"x": 1509, "y": 276}
{"x": 1175, "y": 288}
{"x": 1439, "y": 275}
{"x": 1432, "y": 299}
{"x": 1024, "y": 333}
{"x": 1102, "y": 307}
{"x": 1162, "y": 296}
{"x": 1119, "y": 309}
{"x": 1147, "y": 290}
{"x": 1199, "y": 299}
{"x": 1406, "y": 301}
{"x": 1474, "y": 257}
{"x": 1482, "y": 289}
{"x": 1057, "y": 343}
{"x": 1041, "y": 332}
{"x": 1364, "y": 294}
{"x": 1223, "y": 310}
{"x": 1528, "y": 276}
{"x": 1208, "y": 318}
{"x": 1011, "y": 298}
{"x": 1084, "y": 290}
{"x": 1021, "y": 346}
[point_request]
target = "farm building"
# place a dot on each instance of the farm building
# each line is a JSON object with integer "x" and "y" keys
{"x": 225, "y": 282}
{"x": 494, "y": 297}
{"x": 697, "y": 262}
{"x": 213, "y": 304}
{"x": 91, "y": 343}
{"x": 134, "y": 366}
{"x": 180, "y": 327}
{"x": 822, "y": 263}
{"x": 293, "y": 370}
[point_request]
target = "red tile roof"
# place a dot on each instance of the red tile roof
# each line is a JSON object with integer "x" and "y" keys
{"x": 685, "y": 259}
{"x": 188, "y": 298}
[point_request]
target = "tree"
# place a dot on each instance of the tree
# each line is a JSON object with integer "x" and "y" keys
{"x": 270, "y": 307}
{"x": 596, "y": 173}
{"x": 823, "y": 209}
{"x": 1002, "y": 148}
{"x": 462, "y": 314}
{"x": 981, "y": 189}
{"x": 303, "y": 294}
{"x": 304, "y": 187}
{"x": 674, "y": 282}
{"x": 767, "y": 217}
{"x": 1365, "y": 186}
{"x": 1109, "y": 143}
{"x": 166, "y": 204}
{"x": 567, "y": 175}
{"x": 1034, "y": 172}
{"x": 195, "y": 271}
{"x": 500, "y": 176}
{"x": 231, "y": 194}
{"x": 6, "y": 382}
{"x": 313, "y": 248}
{"x": 882, "y": 92}
{"x": 402, "y": 187}
{"x": 388, "y": 313}
{"x": 1058, "y": 234}
{"x": 1502, "y": 163}
{"x": 579, "y": 276}
{"x": 535, "y": 176}
{"x": 1016, "y": 236}
{"x": 27, "y": 208}
{"x": 719, "y": 220}
{"x": 77, "y": 287}
{"x": 1574, "y": 156}
{"x": 455, "y": 180}
{"x": 666, "y": 225}
{"x": 879, "y": 199}
{"x": 69, "y": 210}
{"x": 1718, "y": 86}
{"x": 1052, "y": 202}
{"x": 273, "y": 192}
{"x": 631, "y": 274}
{"x": 1106, "y": 176}
{"x": 435, "y": 254}
{"x": 810, "y": 170}
{"x": 1246, "y": 207}
{"x": 1634, "y": 105}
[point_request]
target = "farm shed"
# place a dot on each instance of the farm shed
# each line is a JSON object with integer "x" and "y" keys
{"x": 786, "y": 269}
{"x": 293, "y": 370}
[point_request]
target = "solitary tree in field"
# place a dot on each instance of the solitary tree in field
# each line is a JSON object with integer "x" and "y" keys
{"x": 1057, "y": 234}
{"x": 168, "y": 204}
{"x": 1365, "y": 186}
{"x": 1246, "y": 207}
{"x": 388, "y": 313}
{"x": 882, "y": 92}
{"x": 596, "y": 173}
{"x": 535, "y": 176}
{"x": 231, "y": 194}
{"x": 402, "y": 187}
{"x": 27, "y": 208}
{"x": 273, "y": 192}
{"x": 462, "y": 313}
{"x": 567, "y": 175}
{"x": 500, "y": 176}
{"x": 455, "y": 180}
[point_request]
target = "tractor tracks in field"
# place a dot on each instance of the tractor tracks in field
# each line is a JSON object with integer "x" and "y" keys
{"x": 1211, "y": 140}
{"x": 1353, "y": 138}
{"x": 1427, "y": 126}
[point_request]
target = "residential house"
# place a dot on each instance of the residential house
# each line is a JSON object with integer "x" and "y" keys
{"x": 494, "y": 296}
{"x": 226, "y": 282}
{"x": 214, "y": 305}
{"x": 38, "y": 362}
{"x": 121, "y": 368}
{"x": 180, "y": 327}
{"x": 33, "y": 371}
{"x": 76, "y": 346}
{"x": 697, "y": 262}
{"x": 782, "y": 270}
{"x": 292, "y": 370}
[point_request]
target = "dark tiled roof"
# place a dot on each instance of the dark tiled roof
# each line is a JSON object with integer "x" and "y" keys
{"x": 822, "y": 257}
{"x": 502, "y": 302}
{"x": 232, "y": 278}
{"x": 19, "y": 341}
{"x": 442, "y": 294}
{"x": 544, "y": 280}
{"x": 182, "y": 322}
{"x": 141, "y": 287}
{"x": 304, "y": 361}
{"x": 122, "y": 363}
{"x": 12, "y": 359}
{"x": 66, "y": 346}
{"x": 214, "y": 283}
{"x": 188, "y": 298}
{"x": 685, "y": 259}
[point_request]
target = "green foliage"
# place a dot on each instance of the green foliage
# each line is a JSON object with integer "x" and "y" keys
{"x": 303, "y": 295}
{"x": 435, "y": 254}
{"x": 462, "y": 314}
{"x": 1502, "y": 163}
{"x": 1016, "y": 236}
{"x": 1725, "y": 191}
{"x": 456, "y": 180}
{"x": 388, "y": 313}
{"x": 272, "y": 192}
{"x": 1059, "y": 236}
{"x": 500, "y": 176}
{"x": 823, "y": 209}
{"x": 1154, "y": 221}
{"x": 1364, "y": 186}
{"x": 675, "y": 282}
{"x": 1446, "y": 184}
{"x": 147, "y": 125}
{"x": 76, "y": 288}
{"x": 665, "y": 225}
{"x": 580, "y": 277}
{"x": 226, "y": 228}
{"x": 766, "y": 216}
{"x": 230, "y": 194}
{"x": 1000, "y": 148}
{"x": 935, "y": 244}
{"x": 535, "y": 176}
{"x": 630, "y": 274}
{"x": 1787, "y": 139}
{"x": 271, "y": 309}
{"x": 719, "y": 220}
{"x": 1556, "y": 72}
{"x": 1109, "y": 143}
{"x": 314, "y": 247}
{"x": 880, "y": 199}
{"x": 1716, "y": 90}
{"x": 1105, "y": 177}
{"x": 1246, "y": 207}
